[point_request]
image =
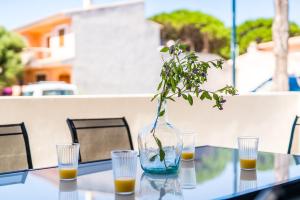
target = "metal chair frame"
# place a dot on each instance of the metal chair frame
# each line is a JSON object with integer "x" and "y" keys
{"x": 295, "y": 123}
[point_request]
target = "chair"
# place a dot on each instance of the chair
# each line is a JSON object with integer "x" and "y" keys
{"x": 294, "y": 142}
{"x": 98, "y": 137}
{"x": 14, "y": 148}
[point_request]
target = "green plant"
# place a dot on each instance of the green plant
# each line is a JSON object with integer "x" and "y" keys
{"x": 182, "y": 75}
{"x": 11, "y": 68}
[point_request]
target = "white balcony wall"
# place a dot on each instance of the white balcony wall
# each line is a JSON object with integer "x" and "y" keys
{"x": 65, "y": 52}
{"x": 269, "y": 117}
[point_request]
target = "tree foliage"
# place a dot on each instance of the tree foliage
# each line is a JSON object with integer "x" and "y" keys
{"x": 259, "y": 30}
{"x": 201, "y": 32}
{"x": 11, "y": 46}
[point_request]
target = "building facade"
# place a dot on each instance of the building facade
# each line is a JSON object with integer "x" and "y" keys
{"x": 109, "y": 49}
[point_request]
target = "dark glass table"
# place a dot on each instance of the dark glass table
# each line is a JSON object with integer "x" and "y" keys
{"x": 215, "y": 174}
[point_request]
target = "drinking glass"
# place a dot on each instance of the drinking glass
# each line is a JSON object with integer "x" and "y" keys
{"x": 67, "y": 155}
{"x": 188, "y": 151}
{"x": 248, "y": 152}
{"x": 124, "y": 170}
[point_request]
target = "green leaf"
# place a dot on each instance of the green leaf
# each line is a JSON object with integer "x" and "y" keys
{"x": 184, "y": 96}
{"x": 190, "y": 99}
{"x": 164, "y": 49}
{"x": 154, "y": 97}
{"x": 171, "y": 99}
{"x": 159, "y": 85}
{"x": 153, "y": 158}
{"x": 161, "y": 155}
{"x": 161, "y": 113}
{"x": 205, "y": 95}
{"x": 216, "y": 97}
{"x": 173, "y": 85}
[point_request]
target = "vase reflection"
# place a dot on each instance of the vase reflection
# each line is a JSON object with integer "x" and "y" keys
{"x": 187, "y": 175}
{"x": 248, "y": 180}
{"x": 161, "y": 187}
{"x": 68, "y": 190}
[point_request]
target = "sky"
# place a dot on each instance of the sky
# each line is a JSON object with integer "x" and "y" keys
{"x": 15, "y": 13}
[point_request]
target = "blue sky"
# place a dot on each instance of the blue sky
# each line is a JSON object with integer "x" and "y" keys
{"x": 14, "y": 13}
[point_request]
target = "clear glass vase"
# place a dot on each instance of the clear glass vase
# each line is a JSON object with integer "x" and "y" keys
{"x": 171, "y": 142}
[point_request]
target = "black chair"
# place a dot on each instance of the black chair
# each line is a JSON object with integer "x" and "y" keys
{"x": 98, "y": 137}
{"x": 294, "y": 128}
{"x": 14, "y": 148}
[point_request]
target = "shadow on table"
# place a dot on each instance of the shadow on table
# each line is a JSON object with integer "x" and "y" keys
{"x": 13, "y": 178}
{"x": 94, "y": 167}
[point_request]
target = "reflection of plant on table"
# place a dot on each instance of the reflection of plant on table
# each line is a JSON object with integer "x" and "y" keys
{"x": 265, "y": 161}
{"x": 183, "y": 75}
{"x": 211, "y": 164}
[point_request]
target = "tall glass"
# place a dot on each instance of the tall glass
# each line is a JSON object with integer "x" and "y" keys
{"x": 248, "y": 147}
{"x": 188, "y": 151}
{"x": 124, "y": 170}
{"x": 68, "y": 155}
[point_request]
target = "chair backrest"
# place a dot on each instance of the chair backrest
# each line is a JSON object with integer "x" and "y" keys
{"x": 295, "y": 137}
{"x": 98, "y": 137}
{"x": 14, "y": 148}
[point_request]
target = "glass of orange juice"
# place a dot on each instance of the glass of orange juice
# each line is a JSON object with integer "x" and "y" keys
{"x": 124, "y": 169}
{"x": 188, "y": 151}
{"x": 248, "y": 147}
{"x": 68, "y": 155}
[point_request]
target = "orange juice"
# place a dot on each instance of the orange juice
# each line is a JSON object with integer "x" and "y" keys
{"x": 67, "y": 173}
{"x": 124, "y": 185}
{"x": 248, "y": 163}
{"x": 187, "y": 155}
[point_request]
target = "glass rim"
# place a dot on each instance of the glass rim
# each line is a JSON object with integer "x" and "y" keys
{"x": 117, "y": 151}
{"x": 67, "y": 144}
{"x": 248, "y": 137}
{"x": 189, "y": 133}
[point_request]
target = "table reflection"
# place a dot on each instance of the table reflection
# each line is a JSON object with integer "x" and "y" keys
{"x": 161, "y": 187}
{"x": 188, "y": 175}
{"x": 124, "y": 197}
{"x": 248, "y": 180}
{"x": 68, "y": 190}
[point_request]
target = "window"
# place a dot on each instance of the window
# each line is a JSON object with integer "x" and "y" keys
{"x": 40, "y": 77}
{"x": 57, "y": 92}
{"x": 61, "y": 33}
{"x": 27, "y": 94}
{"x": 48, "y": 41}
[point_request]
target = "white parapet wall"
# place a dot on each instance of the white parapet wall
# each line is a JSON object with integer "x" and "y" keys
{"x": 268, "y": 116}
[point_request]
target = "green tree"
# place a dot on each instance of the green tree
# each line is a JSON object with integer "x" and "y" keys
{"x": 201, "y": 32}
{"x": 259, "y": 30}
{"x": 11, "y": 67}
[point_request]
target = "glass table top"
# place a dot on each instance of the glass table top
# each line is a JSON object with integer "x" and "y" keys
{"x": 215, "y": 174}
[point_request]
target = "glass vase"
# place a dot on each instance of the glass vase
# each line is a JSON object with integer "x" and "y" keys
{"x": 171, "y": 142}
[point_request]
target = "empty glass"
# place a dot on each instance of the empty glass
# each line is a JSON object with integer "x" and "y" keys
{"x": 188, "y": 151}
{"x": 67, "y": 155}
{"x": 124, "y": 170}
{"x": 248, "y": 147}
